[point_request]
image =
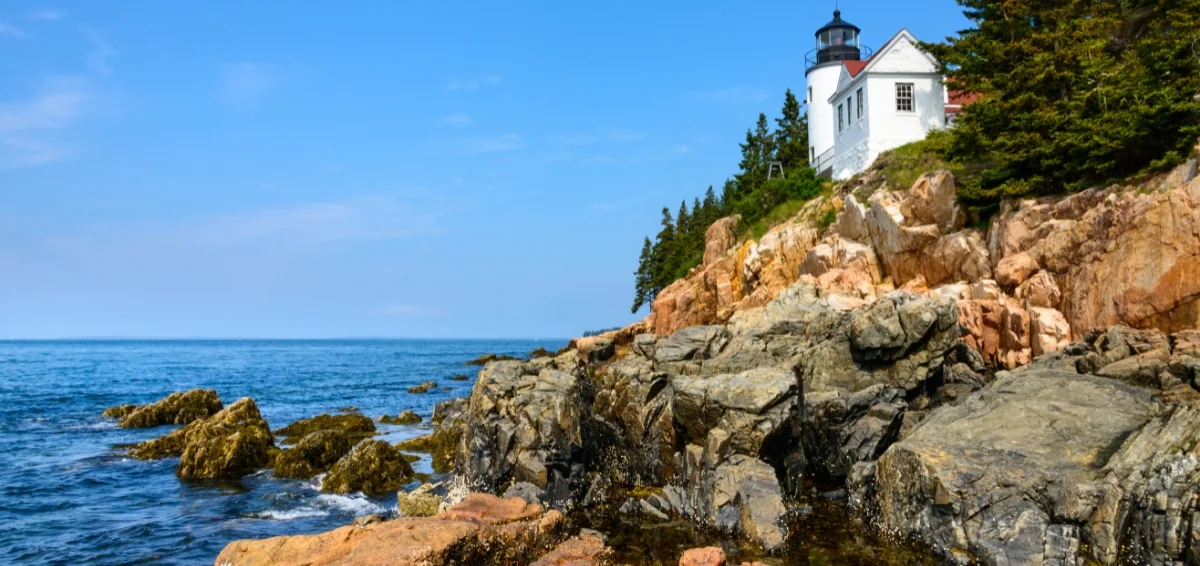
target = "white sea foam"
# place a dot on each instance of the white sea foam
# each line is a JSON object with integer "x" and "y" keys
{"x": 356, "y": 504}
{"x": 290, "y": 514}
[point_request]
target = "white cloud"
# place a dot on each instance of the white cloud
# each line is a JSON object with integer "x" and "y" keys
{"x": 21, "y": 152}
{"x": 459, "y": 119}
{"x": 102, "y": 51}
{"x": 682, "y": 149}
{"x": 367, "y": 218}
{"x": 12, "y": 31}
{"x": 472, "y": 83}
{"x": 245, "y": 84}
{"x": 737, "y": 93}
{"x": 47, "y": 15}
{"x": 25, "y": 124}
{"x": 509, "y": 142}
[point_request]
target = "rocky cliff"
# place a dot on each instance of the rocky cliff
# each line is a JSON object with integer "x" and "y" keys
{"x": 1043, "y": 270}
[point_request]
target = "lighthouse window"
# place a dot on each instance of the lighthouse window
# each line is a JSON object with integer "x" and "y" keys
{"x": 860, "y": 104}
{"x": 904, "y": 97}
{"x": 841, "y": 118}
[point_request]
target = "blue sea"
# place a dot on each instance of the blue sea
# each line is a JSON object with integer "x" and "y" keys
{"x": 68, "y": 496}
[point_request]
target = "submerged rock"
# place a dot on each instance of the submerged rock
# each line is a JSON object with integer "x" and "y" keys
{"x": 404, "y": 418}
{"x": 372, "y": 467}
{"x": 423, "y": 387}
{"x": 482, "y": 530}
{"x": 586, "y": 549}
{"x": 355, "y": 426}
{"x": 314, "y": 454}
{"x": 177, "y": 408}
{"x": 460, "y": 377}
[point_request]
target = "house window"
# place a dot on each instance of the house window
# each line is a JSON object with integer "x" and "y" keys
{"x": 841, "y": 118}
{"x": 849, "y": 112}
{"x": 809, "y": 101}
{"x": 860, "y": 104}
{"x": 904, "y": 97}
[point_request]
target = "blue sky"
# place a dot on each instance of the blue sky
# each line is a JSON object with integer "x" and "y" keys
{"x": 385, "y": 169}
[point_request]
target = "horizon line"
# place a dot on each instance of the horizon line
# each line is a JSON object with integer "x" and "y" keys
{"x": 264, "y": 339}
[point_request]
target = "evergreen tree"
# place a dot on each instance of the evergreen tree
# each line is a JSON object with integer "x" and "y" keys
{"x": 662, "y": 254}
{"x": 791, "y": 134}
{"x": 1073, "y": 93}
{"x": 643, "y": 291}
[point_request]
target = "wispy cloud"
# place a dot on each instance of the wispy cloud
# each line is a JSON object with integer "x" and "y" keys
{"x": 365, "y": 218}
{"x": 406, "y": 311}
{"x": 7, "y": 30}
{"x": 24, "y": 124}
{"x": 47, "y": 15}
{"x": 611, "y": 135}
{"x": 459, "y": 119}
{"x": 737, "y": 93}
{"x": 682, "y": 149}
{"x": 102, "y": 51}
{"x": 244, "y": 85}
{"x": 508, "y": 142}
{"x": 454, "y": 83}
{"x": 22, "y": 152}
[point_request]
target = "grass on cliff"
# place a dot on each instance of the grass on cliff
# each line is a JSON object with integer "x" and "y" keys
{"x": 899, "y": 168}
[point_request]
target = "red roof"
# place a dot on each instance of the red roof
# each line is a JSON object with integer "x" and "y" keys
{"x": 855, "y": 67}
{"x": 960, "y": 98}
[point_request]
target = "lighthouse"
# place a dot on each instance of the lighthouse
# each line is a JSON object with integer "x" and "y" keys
{"x": 837, "y": 41}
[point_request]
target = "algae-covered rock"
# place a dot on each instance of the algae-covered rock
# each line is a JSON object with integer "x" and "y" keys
{"x": 176, "y": 408}
{"x": 169, "y": 446}
{"x": 442, "y": 444}
{"x": 420, "y": 502}
{"x": 314, "y": 454}
{"x": 230, "y": 444}
{"x": 422, "y": 388}
{"x": 354, "y": 425}
{"x": 372, "y": 467}
{"x": 459, "y": 377}
{"x": 487, "y": 358}
{"x": 541, "y": 352}
{"x": 118, "y": 411}
{"x": 404, "y": 418}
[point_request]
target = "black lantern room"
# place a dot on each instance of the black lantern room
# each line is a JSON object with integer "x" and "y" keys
{"x": 838, "y": 41}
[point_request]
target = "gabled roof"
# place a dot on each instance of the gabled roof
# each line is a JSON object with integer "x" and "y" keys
{"x": 855, "y": 69}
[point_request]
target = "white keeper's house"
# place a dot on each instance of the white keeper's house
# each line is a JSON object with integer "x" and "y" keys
{"x": 859, "y": 108}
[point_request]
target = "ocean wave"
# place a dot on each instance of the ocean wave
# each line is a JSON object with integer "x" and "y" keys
{"x": 102, "y": 425}
{"x": 289, "y": 514}
{"x": 357, "y": 504}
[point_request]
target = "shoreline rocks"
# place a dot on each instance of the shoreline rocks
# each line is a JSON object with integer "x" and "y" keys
{"x": 177, "y": 408}
{"x": 372, "y": 467}
{"x": 355, "y": 426}
{"x": 406, "y": 417}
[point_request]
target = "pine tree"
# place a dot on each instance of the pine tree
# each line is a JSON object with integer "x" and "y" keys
{"x": 1074, "y": 93}
{"x": 643, "y": 292}
{"x": 662, "y": 272}
{"x": 791, "y": 134}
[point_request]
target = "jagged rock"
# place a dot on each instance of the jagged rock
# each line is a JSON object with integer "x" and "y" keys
{"x": 372, "y": 467}
{"x": 404, "y": 418}
{"x": 314, "y": 454}
{"x": 697, "y": 342}
{"x": 751, "y": 405}
{"x": 524, "y": 421}
{"x": 424, "y": 387}
{"x": 996, "y": 476}
{"x": 746, "y": 497}
{"x": 720, "y": 237}
{"x": 420, "y": 502}
{"x": 177, "y": 408}
{"x": 527, "y": 492}
{"x": 354, "y": 425}
{"x": 232, "y": 443}
{"x": 482, "y": 530}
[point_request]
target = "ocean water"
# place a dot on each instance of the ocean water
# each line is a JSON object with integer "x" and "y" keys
{"x": 67, "y": 496}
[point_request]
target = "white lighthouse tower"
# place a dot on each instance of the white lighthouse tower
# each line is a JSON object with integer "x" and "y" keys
{"x": 837, "y": 41}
